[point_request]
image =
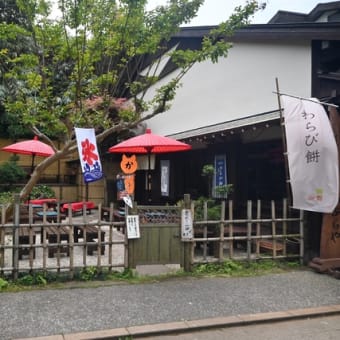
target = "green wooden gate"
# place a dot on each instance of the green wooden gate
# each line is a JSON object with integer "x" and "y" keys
{"x": 160, "y": 237}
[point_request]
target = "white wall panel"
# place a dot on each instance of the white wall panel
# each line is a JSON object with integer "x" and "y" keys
{"x": 238, "y": 86}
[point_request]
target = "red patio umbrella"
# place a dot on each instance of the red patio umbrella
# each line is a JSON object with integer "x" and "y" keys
{"x": 149, "y": 143}
{"x": 31, "y": 147}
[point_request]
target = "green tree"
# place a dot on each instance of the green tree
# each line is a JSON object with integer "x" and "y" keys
{"x": 83, "y": 67}
{"x": 14, "y": 41}
{"x": 11, "y": 173}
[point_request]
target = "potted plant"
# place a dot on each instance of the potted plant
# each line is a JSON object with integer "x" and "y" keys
{"x": 208, "y": 171}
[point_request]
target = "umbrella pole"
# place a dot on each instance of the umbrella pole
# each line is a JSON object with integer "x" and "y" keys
{"x": 32, "y": 165}
{"x": 149, "y": 178}
{"x": 87, "y": 192}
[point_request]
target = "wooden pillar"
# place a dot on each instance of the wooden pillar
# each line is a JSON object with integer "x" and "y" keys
{"x": 15, "y": 236}
{"x": 330, "y": 230}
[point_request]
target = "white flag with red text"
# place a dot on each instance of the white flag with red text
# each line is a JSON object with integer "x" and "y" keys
{"x": 88, "y": 155}
{"x": 312, "y": 155}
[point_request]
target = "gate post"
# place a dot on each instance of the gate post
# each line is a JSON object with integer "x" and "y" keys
{"x": 187, "y": 246}
{"x": 130, "y": 256}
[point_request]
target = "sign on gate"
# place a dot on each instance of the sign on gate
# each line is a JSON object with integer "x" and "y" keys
{"x": 186, "y": 224}
{"x": 132, "y": 226}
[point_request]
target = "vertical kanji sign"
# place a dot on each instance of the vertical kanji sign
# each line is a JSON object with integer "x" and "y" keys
{"x": 220, "y": 178}
{"x": 88, "y": 155}
{"x": 187, "y": 230}
{"x": 312, "y": 155}
{"x": 132, "y": 224}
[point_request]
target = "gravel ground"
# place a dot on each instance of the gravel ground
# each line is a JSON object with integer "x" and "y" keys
{"x": 48, "y": 312}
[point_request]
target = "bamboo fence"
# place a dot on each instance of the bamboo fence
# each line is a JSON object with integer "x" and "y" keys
{"x": 68, "y": 243}
{"x": 260, "y": 234}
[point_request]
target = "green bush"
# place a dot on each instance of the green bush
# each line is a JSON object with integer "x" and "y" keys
{"x": 241, "y": 268}
{"x": 42, "y": 191}
{"x": 6, "y": 197}
{"x": 3, "y": 283}
{"x": 88, "y": 273}
{"x": 214, "y": 209}
{"x": 10, "y": 174}
{"x": 34, "y": 279}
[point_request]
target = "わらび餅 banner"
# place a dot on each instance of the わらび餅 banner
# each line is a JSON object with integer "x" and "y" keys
{"x": 88, "y": 155}
{"x": 312, "y": 155}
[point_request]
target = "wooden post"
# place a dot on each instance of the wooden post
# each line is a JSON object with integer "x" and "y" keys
{"x": 273, "y": 212}
{"x": 205, "y": 232}
{"x": 258, "y": 227}
{"x": 15, "y": 235}
{"x": 249, "y": 227}
{"x": 230, "y": 225}
{"x": 284, "y": 143}
{"x": 284, "y": 226}
{"x": 221, "y": 252}
{"x": 187, "y": 246}
{"x": 2, "y": 238}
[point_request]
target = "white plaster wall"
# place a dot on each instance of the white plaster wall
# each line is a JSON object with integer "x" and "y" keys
{"x": 238, "y": 86}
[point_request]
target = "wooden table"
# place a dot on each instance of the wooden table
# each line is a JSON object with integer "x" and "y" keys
{"x": 91, "y": 235}
{"x": 57, "y": 234}
{"x": 51, "y": 215}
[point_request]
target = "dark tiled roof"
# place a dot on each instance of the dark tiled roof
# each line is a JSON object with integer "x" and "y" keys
{"x": 293, "y": 17}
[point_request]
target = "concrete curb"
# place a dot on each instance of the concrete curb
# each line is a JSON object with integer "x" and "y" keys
{"x": 196, "y": 325}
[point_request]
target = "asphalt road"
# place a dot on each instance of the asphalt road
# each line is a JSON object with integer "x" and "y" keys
{"x": 49, "y": 312}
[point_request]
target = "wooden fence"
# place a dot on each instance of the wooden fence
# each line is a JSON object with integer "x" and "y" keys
{"x": 261, "y": 231}
{"x": 53, "y": 242}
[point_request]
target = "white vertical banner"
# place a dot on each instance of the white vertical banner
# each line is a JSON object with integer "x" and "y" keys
{"x": 88, "y": 155}
{"x": 165, "y": 177}
{"x": 312, "y": 155}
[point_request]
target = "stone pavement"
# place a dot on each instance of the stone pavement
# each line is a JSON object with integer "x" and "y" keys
{"x": 180, "y": 306}
{"x": 310, "y": 328}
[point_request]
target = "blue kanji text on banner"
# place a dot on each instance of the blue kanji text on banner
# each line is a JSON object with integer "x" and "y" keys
{"x": 88, "y": 155}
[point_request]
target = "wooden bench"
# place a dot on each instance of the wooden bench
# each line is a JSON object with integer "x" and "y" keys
{"x": 24, "y": 239}
{"x": 269, "y": 245}
{"x": 42, "y": 201}
{"x": 77, "y": 207}
{"x": 57, "y": 234}
{"x": 91, "y": 236}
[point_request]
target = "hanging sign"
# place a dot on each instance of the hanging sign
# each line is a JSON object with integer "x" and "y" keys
{"x": 88, "y": 155}
{"x": 220, "y": 178}
{"x": 129, "y": 165}
{"x": 126, "y": 182}
{"x": 312, "y": 155}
